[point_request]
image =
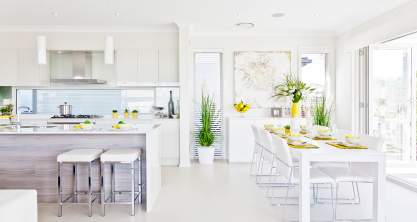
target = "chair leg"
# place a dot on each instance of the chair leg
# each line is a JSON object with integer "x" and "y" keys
{"x": 260, "y": 165}
{"x": 357, "y": 190}
{"x": 132, "y": 191}
{"x": 59, "y": 190}
{"x": 333, "y": 204}
{"x": 90, "y": 198}
{"x": 336, "y": 201}
{"x": 102, "y": 191}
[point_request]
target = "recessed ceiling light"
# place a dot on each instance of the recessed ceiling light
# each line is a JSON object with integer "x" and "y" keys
{"x": 55, "y": 14}
{"x": 117, "y": 14}
{"x": 278, "y": 15}
{"x": 245, "y": 25}
{"x": 316, "y": 14}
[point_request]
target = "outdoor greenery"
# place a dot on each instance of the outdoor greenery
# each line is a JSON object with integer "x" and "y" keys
{"x": 292, "y": 87}
{"x": 321, "y": 114}
{"x": 206, "y": 136}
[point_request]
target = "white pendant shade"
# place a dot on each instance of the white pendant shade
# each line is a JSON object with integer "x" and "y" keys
{"x": 41, "y": 46}
{"x": 109, "y": 50}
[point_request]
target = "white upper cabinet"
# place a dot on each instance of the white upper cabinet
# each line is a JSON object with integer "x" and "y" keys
{"x": 168, "y": 66}
{"x": 146, "y": 67}
{"x": 30, "y": 72}
{"x": 127, "y": 66}
{"x": 8, "y": 67}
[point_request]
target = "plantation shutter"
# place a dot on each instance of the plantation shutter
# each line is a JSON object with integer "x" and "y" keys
{"x": 207, "y": 78}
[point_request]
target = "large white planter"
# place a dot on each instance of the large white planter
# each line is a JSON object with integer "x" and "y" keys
{"x": 206, "y": 155}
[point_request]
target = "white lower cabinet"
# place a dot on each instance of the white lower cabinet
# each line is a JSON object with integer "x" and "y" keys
{"x": 170, "y": 141}
{"x": 240, "y": 136}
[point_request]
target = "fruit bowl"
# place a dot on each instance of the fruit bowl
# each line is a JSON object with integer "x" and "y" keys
{"x": 241, "y": 107}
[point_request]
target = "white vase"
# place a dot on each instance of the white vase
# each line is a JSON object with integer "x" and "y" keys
{"x": 206, "y": 155}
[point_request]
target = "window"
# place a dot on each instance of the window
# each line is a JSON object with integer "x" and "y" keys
{"x": 313, "y": 71}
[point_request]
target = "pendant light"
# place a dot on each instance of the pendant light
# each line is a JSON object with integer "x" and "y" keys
{"x": 41, "y": 47}
{"x": 109, "y": 50}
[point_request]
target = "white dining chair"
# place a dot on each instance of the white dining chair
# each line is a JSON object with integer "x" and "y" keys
{"x": 355, "y": 174}
{"x": 289, "y": 172}
{"x": 256, "y": 150}
{"x": 266, "y": 156}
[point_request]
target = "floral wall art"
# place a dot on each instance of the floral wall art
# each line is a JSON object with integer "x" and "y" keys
{"x": 256, "y": 73}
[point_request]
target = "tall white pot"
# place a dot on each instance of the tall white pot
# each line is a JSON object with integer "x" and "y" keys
{"x": 206, "y": 155}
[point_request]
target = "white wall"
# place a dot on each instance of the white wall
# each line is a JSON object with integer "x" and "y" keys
{"x": 228, "y": 44}
{"x": 392, "y": 24}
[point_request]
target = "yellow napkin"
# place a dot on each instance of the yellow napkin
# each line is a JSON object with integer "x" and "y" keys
{"x": 305, "y": 146}
{"x": 345, "y": 146}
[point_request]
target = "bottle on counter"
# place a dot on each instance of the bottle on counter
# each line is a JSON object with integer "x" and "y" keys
{"x": 171, "y": 110}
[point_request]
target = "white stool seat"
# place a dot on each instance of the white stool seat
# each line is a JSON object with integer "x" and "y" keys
{"x": 79, "y": 155}
{"x": 120, "y": 155}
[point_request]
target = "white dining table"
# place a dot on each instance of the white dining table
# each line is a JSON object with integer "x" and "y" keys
{"x": 328, "y": 153}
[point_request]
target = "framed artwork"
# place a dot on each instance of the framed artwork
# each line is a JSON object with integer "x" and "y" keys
{"x": 256, "y": 73}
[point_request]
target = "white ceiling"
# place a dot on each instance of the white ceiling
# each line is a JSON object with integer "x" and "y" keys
{"x": 316, "y": 16}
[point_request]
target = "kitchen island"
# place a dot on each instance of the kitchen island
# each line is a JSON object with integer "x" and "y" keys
{"x": 28, "y": 157}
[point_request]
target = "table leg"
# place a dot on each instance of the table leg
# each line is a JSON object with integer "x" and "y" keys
{"x": 378, "y": 191}
{"x": 304, "y": 194}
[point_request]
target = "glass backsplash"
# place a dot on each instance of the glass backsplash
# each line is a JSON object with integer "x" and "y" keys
{"x": 93, "y": 101}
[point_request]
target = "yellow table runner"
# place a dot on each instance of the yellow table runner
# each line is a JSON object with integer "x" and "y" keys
{"x": 321, "y": 138}
{"x": 344, "y": 146}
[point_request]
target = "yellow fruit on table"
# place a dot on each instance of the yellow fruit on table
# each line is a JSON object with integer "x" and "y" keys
{"x": 241, "y": 107}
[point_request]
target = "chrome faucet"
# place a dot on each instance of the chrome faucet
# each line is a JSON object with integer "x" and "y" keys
{"x": 18, "y": 122}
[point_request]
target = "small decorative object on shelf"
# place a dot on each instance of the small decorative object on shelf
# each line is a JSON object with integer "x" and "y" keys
{"x": 126, "y": 114}
{"x": 241, "y": 107}
{"x": 114, "y": 114}
{"x": 135, "y": 114}
{"x": 206, "y": 136}
{"x": 287, "y": 129}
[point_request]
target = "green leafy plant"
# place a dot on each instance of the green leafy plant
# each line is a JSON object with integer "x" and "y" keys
{"x": 206, "y": 136}
{"x": 114, "y": 111}
{"x": 292, "y": 87}
{"x": 321, "y": 115}
{"x": 135, "y": 111}
{"x": 126, "y": 110}
{"x": 287, "y": 127}
{"x": 6, "y": 110}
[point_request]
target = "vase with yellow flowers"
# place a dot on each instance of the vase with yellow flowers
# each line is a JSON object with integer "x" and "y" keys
{"x": 295, "y": 89}
{"x": 241, "y": 107}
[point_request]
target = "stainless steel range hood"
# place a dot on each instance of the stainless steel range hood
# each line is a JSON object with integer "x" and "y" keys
{"x": 76, "y": 67}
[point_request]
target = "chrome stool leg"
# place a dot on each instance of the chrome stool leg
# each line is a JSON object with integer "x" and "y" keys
{"x": 75, "y": 183}
{"x": 132, "y": 188}
{"x": 90, "y": 198}
{"x": 59, "y": 190}
{"x": 113, "y": 183}
{"x": 102, "y": 191}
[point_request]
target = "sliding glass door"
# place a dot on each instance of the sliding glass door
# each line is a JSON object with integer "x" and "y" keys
{"x": 391, "y": 92}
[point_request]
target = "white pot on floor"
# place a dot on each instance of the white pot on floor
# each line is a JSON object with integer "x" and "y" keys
{"x": 206, "y": 155}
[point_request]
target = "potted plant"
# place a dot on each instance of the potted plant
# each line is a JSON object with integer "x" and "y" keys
{"x": 295, "y": 89}
{"x": 135, "y": 114}
{"x": 206, "y": 136}
{"x": 241, "y": 107}
{"x": 7, "y": 110}
{"x": 126, "y": 114}
{"x": 115, "y": 114}
{"x": 321, "y": 114}
{"x": 287, "y": 130}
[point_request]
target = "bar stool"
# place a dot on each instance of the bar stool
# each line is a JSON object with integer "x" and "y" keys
{"x": 121, "y": 156}
{"x": 75, "y": 157}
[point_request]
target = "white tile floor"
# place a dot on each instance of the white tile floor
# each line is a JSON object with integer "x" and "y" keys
{"x": 220, "y": 193}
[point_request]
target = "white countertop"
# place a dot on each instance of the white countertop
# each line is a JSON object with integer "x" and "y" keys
{"x": 103, "y": 129}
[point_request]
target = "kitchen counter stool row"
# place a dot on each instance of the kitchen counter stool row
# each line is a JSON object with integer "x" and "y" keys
{"x": 90, "y": 157}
